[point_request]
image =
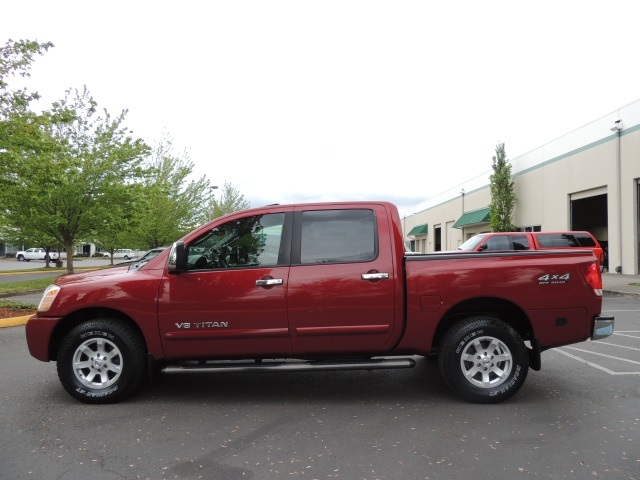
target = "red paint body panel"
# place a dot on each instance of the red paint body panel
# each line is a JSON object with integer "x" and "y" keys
{"x": 38, "y": 332}
{"x": 325, "y": 309}
{"x": 254, "y": 314}
{"x": 514, "y": 278}
{"x": 332, "y": 310}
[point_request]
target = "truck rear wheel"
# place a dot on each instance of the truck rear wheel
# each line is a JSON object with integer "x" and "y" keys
{"x": 483, "y": 360}
{"x": 101, "y": 361}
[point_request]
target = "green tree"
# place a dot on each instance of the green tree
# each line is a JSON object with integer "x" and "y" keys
{"x": 116, "y": 229}
{"x": 16, "y": 58}
{"x": 22, "y": 137}
{"x": 503, "y": 196}
{"x": 65, "y": 192}
{"x": 171, "y": 203}
{"x": 229, "y": 200}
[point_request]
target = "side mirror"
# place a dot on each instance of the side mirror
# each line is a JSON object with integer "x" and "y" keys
{"x": 483, "y": 247}
{"x": 177, "y": 258}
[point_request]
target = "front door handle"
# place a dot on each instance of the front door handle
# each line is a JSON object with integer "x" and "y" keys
{"x": 268, "y": 282}
{"x": 375, "y": 276}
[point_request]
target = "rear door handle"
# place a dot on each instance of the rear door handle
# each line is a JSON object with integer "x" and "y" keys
{"x": 268, "y": 282}
{"x": 375, "y": 276}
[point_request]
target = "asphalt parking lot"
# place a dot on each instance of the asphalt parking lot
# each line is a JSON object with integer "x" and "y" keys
{"x": 577, "y": 418}
{"x": 7, "y": 264}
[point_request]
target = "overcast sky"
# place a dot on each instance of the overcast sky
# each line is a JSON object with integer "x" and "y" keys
{"x": 294, "y": 101}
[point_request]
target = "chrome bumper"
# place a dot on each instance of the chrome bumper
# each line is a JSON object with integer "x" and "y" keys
{"x": 602, "y": 327}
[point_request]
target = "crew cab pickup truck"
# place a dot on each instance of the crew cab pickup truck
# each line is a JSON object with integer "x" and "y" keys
{"x": 35, "y": 254}
{"x": 316, "y": 287}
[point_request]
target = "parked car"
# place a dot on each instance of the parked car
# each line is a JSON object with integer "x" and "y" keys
{"x": 534, "y": 241}
{"x": 35, "y": 254}
{"x": 326, "y": 286}
{"x": 125, "y": 253}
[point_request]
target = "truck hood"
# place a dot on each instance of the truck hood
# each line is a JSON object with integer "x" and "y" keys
{"x": 92, "y": 275}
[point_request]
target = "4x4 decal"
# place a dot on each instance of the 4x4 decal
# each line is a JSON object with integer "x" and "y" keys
{"x": 554, "y": 279}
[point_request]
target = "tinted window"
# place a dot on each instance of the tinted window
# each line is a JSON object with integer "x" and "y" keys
{"x": 472, "y": 243}
{"x": 557, "y": 240}
{"x": 338, "y": 236}
{"x": 520, "y": 242}
{"x": 498, "y": 242}
{"x": 584, "y": 239}
{"x": 247, "y": 242}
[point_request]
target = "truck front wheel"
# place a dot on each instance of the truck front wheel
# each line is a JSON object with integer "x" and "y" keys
{"x": 101, "y": 361}
{"x": 483, "y": 359}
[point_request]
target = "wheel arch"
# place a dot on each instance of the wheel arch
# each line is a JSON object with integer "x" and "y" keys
{"x": 499, "y": 308}
{"x": 74, "y": 319}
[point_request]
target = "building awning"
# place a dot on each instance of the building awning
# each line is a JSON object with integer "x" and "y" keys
{"x": 419, "y": 230}
{"x": 476, "y": 217}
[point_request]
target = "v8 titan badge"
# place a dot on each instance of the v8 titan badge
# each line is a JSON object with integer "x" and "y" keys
{"x": 554, "y": 279}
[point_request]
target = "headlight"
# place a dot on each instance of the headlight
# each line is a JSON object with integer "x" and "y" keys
{"x": 48, "y": 297}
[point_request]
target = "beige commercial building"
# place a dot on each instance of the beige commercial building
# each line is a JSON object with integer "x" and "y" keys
{"x": 588, "y": 179}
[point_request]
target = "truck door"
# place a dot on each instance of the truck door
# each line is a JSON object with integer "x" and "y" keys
{"x": 341, "y": 284}
{"x": 231, "y": 301}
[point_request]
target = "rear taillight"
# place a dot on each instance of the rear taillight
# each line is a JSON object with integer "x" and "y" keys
{"x": 591, "y": 274}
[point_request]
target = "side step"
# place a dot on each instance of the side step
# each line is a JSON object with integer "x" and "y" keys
{"x": 292, "y": 366}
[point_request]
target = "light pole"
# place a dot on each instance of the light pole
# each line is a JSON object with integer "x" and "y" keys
{"x": 211, "y": 202}
{"x": 462, "y": 193}
{"x": 617, "y": 128}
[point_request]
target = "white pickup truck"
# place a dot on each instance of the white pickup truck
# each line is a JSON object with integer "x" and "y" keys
{"x": 35, "y": 254}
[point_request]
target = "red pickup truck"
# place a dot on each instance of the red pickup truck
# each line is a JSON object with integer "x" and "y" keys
{"x": 316, "y": 286}
{"x": 488, "y": 242}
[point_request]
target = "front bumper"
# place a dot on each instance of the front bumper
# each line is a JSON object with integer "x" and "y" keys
{"x": 602, "y": 327}
{"x": 38, "y": 332}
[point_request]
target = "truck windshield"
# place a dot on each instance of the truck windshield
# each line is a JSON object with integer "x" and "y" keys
{"x": 472, "y": 243}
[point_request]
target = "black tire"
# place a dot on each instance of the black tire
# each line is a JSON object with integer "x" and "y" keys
{"x": 483, "y": 360}
{"x": 20, "y": 258}
{"x": 102, "y": 348}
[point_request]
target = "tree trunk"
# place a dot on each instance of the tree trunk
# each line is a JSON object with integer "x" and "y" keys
{"x": 69, "y": 248}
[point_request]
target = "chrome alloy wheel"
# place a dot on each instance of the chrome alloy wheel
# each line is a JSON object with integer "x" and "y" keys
{"x": 97, "y": 363}
{"x": 486, "y": 362}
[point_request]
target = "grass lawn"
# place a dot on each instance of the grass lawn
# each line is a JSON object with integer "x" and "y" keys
{"x": 25, "y": 285}
{"x": 10, "y": 309}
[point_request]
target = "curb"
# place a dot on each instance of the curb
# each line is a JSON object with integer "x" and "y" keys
{"x": 14, "y": 321}
{"x": 23, "y": 292}
{"x": 618, "y": 293}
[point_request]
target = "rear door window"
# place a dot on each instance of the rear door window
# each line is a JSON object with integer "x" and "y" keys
{"x": 338, "y": 236}
{"x": 498, "y": 242}
{"x": 520, "y": 242}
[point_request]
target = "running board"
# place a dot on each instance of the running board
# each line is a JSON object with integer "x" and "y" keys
{"x": 295, "y": 366}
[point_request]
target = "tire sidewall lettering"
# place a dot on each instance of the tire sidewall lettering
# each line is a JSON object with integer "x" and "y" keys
{"x": 97, "y": 393}
{"x": 465, "y": 340}
{"x": 96, "y": 333}
{"x": 507, "y": 386}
